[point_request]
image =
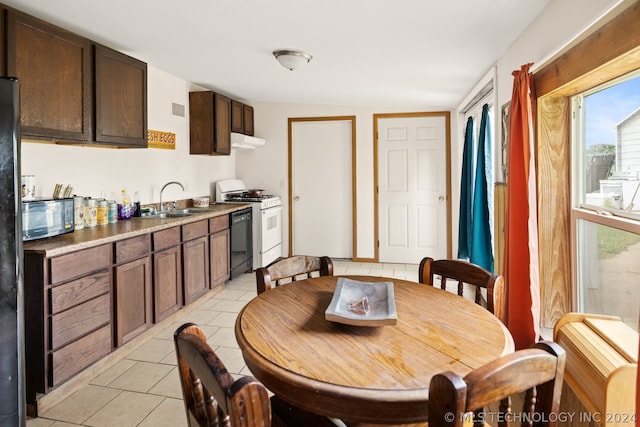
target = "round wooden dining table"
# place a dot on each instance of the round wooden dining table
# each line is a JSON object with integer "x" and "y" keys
{"x": 372, "y": 374}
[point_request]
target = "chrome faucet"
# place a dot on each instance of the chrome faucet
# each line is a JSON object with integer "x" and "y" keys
{"x": 165, "y": 186}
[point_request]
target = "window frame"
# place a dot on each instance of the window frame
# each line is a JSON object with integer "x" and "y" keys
{"x": 578, "y": 127}
{"x": 581, "y": 210}
{"x": 612, "y": 49}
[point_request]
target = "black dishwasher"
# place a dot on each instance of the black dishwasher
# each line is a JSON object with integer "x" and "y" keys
{"x": 241, "y": 242}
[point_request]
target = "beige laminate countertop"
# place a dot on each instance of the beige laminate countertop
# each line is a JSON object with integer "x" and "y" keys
{"x": 89, "y": 237}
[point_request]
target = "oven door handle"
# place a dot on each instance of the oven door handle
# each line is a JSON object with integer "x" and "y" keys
{"x": 271, "y": 210}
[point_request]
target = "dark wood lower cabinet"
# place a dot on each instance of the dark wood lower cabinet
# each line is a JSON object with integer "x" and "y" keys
{"x": 68, "y": 325}
{"x": 219, "y": 247}
{"x": 195, "y": 258}
{"x": 132, "y": 297}
{"x": 80, "y": 305}
{"x": 167, "y": 282}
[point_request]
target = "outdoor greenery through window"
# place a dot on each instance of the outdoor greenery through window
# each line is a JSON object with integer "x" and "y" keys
{"x": 607, "y": 199}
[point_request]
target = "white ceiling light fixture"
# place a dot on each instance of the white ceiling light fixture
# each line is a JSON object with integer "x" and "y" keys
{"x": 292, "y": 59}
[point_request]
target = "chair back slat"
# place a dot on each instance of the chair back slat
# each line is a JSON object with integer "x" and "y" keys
{"x": 466, "y": 274}
{"x": 291, "y": 269}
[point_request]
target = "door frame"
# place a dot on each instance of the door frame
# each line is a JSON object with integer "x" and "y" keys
{"x": 376, "y": 225}
{"x": 352, "y": 119}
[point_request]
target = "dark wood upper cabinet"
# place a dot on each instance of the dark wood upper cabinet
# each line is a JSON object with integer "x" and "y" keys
{"x": 121, "y": 99}
{"x": 247, "y": 119}
{"x": 54, "y": 70}
{"x": 241, "y": 118}
{"x": 236, "y": 116}
{"x": 72, "y": 90}
{"x": 209, "y": 123}
{"x": 3, "y": 41}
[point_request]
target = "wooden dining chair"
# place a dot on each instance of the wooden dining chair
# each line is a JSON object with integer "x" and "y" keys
{"x": 211, "y": 396}
{"x": 537, "y": 372}
{"x": 290, "y": 269}
{"x": 463, "y": 272}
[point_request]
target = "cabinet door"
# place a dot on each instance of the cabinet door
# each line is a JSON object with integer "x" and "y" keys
{"x": 54, "y": 68}
{"x": 121, "y": 99}
{"x": 219, "y": 251}
{"x": 247, "y": 121}
{"x": 236, "y": 116}
{"x": 167, "y": 282}
{"x": 3, "y": 42}
{"x": 195, "y": 261}
{"x": 223, "y": 124}
{"x": 209, "y": 123}
{"x": 132, "y": 299}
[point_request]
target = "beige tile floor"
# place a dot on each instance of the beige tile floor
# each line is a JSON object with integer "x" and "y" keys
{"x": 142, "y": 389}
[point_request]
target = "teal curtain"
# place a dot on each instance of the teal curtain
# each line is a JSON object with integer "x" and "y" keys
{"x": 466, "y": 195}
{"x": 481, "y": 247}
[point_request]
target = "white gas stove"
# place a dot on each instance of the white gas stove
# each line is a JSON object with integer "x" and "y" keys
{"x": 267, "y": 218}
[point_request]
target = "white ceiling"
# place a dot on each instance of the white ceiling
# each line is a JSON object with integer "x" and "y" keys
{"x": 413, "y": 54}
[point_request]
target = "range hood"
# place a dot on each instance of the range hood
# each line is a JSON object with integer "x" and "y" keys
{"x": 239, "y": 140}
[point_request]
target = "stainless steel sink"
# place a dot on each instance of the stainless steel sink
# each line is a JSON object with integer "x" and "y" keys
{"x": 172, "y": 214}
{"x": 196, "y": 210}
{"x": 178, "y": 213}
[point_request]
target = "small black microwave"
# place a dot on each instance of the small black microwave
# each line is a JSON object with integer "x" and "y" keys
{"x": 46, "y": 218}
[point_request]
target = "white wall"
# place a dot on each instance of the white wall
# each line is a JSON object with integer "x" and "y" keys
{"x": 92, "y": 171}
{"x": 559, "y": 23}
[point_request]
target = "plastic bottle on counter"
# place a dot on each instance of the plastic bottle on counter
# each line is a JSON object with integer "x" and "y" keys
{"x": 136, "y": 204}
{"x": 124, "y": 207}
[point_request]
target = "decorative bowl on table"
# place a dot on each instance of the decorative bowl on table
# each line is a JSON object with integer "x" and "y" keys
{"x": 362, "y": 303}
{"x": 200, "y": 202}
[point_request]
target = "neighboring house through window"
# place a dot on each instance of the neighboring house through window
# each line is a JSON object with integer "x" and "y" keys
{"x": 606, "y": 183}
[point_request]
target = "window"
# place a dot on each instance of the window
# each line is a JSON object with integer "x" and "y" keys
{"x": 607, "y": 199}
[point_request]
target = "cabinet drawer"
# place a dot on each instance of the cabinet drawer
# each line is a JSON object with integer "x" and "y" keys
{"x": 77, "y": 321}
{"x": 166, "y": 238}
{"x": 194, "y": 230}
{"x": 218, "y": 223}
{"x": 73, "y": 358}
{"x": 80, "y": 290}
{"x": 134, "y": 248}
{"x": 79, "y": 263}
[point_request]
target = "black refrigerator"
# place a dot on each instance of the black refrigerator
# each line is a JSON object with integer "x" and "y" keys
{"x": 12, "y": 393}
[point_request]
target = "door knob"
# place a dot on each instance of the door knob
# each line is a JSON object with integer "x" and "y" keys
{"x": 296, "y": 199}
{"x": 441, "y": 198}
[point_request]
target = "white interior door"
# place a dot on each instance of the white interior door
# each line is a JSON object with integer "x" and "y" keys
{"x": 412, "y": 189}
{"x": 322, "y": 188}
